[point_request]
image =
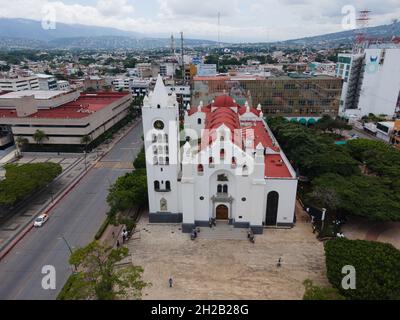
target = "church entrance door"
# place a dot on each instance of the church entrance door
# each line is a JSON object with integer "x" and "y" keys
{"x": 222, "y": 212}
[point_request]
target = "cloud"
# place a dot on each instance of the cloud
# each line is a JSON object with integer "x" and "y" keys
{"x": 117, "y": 8}
{"x": 241, "y": 20}
{"x": 195, "y": 9}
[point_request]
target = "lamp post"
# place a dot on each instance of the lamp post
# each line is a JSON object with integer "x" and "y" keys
{"x": 70, "y": 250}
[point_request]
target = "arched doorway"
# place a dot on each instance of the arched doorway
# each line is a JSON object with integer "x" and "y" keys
{"x": 222, "y": 212}
{"x": 272, "y": 209}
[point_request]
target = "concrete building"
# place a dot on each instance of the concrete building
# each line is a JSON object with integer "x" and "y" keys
{"x": 138, "y": 87}
{"x": 372, "y": 84}
{"x": 63, "y": 85}
{"x": 232, "y": 170}
{"x": 19, "y": 84}
{"x": 65, "y": 117}
{"x": 384, "y": 130}
{"x": 47, "y": 82}
{"x": 95, "y": 83}
{"x": 183, "y": 94}
{"x": 144, "y": 70}
{"x": 305, "y": 98}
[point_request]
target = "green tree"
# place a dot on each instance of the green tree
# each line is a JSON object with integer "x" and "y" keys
{"x": 377, "y": 267}
{"x": 23, "y": 180}
{"x": 100, "y": 278}
{"x": 129, "y": 190}
{"x": 39, "y": 136}
{"x": 140, "y": 161}
{"x": 86, "y": 140}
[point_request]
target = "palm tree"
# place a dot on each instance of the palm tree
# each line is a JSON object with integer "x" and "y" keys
{"x": 39, "y": 136}
{"x": 20, "y": 143}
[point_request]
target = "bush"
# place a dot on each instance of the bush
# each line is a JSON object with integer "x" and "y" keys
{"x": 314, "y": 292}
{"x": 22, "y": 181}
{"x": 140, "y": 161}
{"x": 377, "y": 268}
{"x": 102, "y": 228}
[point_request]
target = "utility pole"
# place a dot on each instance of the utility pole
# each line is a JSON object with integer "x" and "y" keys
{"x": 219, "y": 40}
{"x": 183, "y": 60}
{"x": 173, "y": 50}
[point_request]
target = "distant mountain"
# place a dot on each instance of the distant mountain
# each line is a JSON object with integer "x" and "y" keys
{"x": 345, "y": 37}
{"x": 31, "y": 29}
{"x": 23, "y": 33}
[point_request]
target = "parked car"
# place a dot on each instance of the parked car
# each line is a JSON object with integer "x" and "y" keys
{"x": 41, "y": 220}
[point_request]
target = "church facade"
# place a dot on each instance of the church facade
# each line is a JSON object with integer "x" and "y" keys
{"x": 223, "y": 163}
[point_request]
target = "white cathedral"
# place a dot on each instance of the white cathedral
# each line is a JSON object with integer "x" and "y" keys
{"x": 225, "y": 165}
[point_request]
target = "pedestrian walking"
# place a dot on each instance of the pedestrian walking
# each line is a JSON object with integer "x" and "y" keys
{"x": 118, "y": 244}
{"x": 279, "y": 263}
{"x": 170, "y": 281}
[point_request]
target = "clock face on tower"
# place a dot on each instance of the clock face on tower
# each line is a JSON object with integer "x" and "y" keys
{"x": 159, "y": 125}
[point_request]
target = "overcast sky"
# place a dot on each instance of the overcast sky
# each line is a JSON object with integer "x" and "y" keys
{"x": 241, "y": 20}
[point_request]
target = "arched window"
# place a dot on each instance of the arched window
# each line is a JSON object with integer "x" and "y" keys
{"x": 168, "y": 186}
{"x": 200, "y": 168}
{"x": 160, "y": 150}
{"x": 166, "y": 138}
{"x": 154, "y": 138}
{"x": 225, "y": 189}
{"x": 219, "y": 188}
{"x": 156, "y": 185}
{"x": 167, "y": 161}
{"x": 166, "y": 149}
{"x": 155, "y": 160}
{"x": 198, "y": 121}
{"x": 234, "y": 163}
{"x": 245, "y": 170}
{"x": 222, "y": 153}
{"x": 159, "y": 138}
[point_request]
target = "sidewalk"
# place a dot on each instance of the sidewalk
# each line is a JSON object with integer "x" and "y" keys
{"x": 362, "y": 229}
{"x": 74, "y": 169}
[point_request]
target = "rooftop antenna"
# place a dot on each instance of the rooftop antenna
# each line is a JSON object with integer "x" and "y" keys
{"x": 183, "y": 58}
{"x": 362, "y": 23}
{"x": 219, "y": 29}
{"x": 173, "y": 51}
{"x": 219, "y": 39}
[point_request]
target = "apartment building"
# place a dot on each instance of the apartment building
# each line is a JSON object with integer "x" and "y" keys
{"x": 371, "y": 82}
{"x": 19, "y": 84}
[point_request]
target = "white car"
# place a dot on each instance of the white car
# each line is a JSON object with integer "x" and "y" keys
{"x": 41, "y": 220}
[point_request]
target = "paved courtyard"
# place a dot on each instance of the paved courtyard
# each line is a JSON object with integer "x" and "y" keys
{"x": 227, "y": 269}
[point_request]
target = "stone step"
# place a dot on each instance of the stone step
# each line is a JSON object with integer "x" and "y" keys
{"x": 223, "y": 232}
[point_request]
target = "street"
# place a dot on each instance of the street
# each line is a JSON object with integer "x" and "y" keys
{"x": 76, "y": 218}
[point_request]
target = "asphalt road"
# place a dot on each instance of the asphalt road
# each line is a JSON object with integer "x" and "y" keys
{"x": 76, "y": 218}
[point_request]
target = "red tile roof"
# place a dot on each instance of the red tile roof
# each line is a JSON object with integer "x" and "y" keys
{"x": 85, "y": 105}
{"x": 275, "y": 167}
{"x": 222, "y": 112}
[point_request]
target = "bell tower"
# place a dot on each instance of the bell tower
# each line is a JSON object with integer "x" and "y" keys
{"x": 161, "y": 138}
